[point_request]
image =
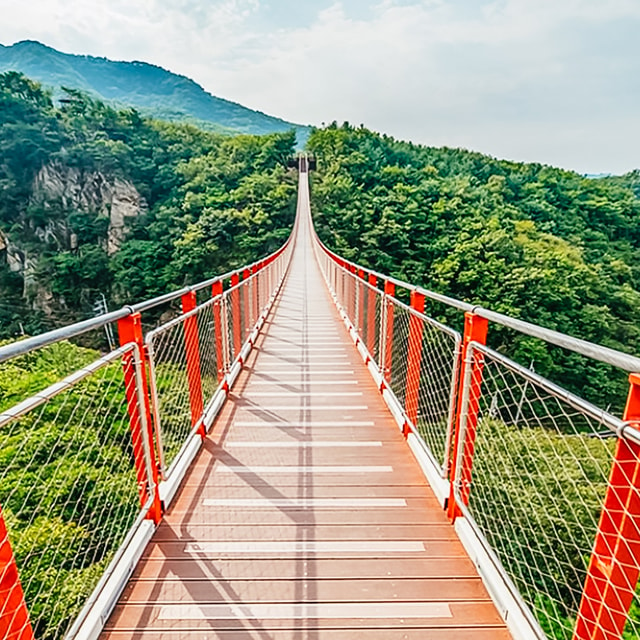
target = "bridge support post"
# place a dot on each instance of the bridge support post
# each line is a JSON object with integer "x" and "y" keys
{"x": 14, "y": 616}
{"x": 361, "y": 288}
{"x": 371, "y": 314}
{"x": 353, "y": 297}
{"x": 475, "y": 330}
{"x": 341, "y": 276}
{"x": 269, "y": 279}
{"x": 216, "y": 292}
{"x": 253, "y": 296}
{"x": 246, "y": 274}
{"x": 414, "y": 356}
{"x": 130, "y": 330}
{"x": 192, "y": 354}
{"x": 387, "y": 334}
{"x": 612, "y": 575}
{"x": 235, "y": 315}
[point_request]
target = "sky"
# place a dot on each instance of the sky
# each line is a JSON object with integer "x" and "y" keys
{"x": 551, "y": 81}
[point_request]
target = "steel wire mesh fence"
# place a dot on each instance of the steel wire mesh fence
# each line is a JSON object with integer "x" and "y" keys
{"x": 227, "y": 313}
{"x": 206, "y": 352}
{"x": 170, "y": 384}
{"x": 371, "y": 320}
{"x": 437, "y": 392}
{"x": 399, "y": 362}
{"x": 70, "y": 487}
{"x": 188, "y": 358}
{"x": 541, "y": 461}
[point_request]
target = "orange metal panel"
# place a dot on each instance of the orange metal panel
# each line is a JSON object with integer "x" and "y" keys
{"x": 475, "y": 330}
{"x": 130, "y": 330}
{"x": 371, "y": 315}
{"x": 14, "y": 617}
{"x": 614, "y": 567}
{"x": 390, "y": 290}
{"x": 235, "y": 314}
{"x": 216, "y": 291}
{"x": 414, "y": 356}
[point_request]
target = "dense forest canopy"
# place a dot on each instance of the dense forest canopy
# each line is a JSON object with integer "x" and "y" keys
{"x": 538, "y": 243}
{"x": 205, "y": 203}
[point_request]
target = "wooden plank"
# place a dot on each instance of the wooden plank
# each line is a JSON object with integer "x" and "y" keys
{"x": 290, "y": 531}
{"x": 486, "y": 633}
{"x": 404, "y": 590}
{"x": 461, "y": 615}
{"x": 274, "y": 569}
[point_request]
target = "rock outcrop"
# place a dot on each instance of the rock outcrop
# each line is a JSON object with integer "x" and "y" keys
{"x": 75, "y": 189}
{"x": 62, "y": 191}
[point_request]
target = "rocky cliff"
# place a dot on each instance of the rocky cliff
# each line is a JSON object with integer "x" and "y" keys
{"x": 89, "y": 192}
{"x": 59, "y": 192}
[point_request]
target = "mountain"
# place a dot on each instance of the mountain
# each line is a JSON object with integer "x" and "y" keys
{"x": 149, "y": 88}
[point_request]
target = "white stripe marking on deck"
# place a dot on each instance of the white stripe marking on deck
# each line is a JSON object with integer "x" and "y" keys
{"x": 251, "y": 469}
{"x": 298, "y": 381}
{"x": 307, "y": 349}
{"x": 297, "y": 407}
{"x": 361, "y": 547}
{"x": 306, "y": 611}
{"x": 306, "y": 394}
{"x": 287, "y": 344}
{"x": 299, "y": 425}
{"x": 287, "y": 444}
{"x": 306, "y": 503}
{"x": 289, "y": 367}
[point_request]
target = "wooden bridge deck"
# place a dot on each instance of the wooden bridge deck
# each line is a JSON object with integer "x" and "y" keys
{"x": 305, "y": 515}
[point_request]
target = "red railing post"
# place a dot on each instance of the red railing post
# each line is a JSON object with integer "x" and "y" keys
{"x": 389, "y": 290}
{"x": 262, "y": 288}
{"x": 353, "y": 288}
{"x": 414, "y": 356}
{"x": 130, "y": 330}
{"x": 255, "y": 292}
{"x": 268, "y": 278}
{"x": 475, "y": 330}
{"x": 14, "y": 616}
{"x": 360, "y": 285}
{"x": 246, "y": 274}
{"x": 192, "y": 353}
{"x": 216, "y": 292}
{"x": 371, "y": 314}
{"x": 235, "y": 314}
{"x": 612, "y": 575}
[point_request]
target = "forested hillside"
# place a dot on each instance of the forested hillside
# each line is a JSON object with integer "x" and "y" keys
{"x": 538, "y": 243}
{"x": 149, "y": 88}
{"x": 95, "y": 200}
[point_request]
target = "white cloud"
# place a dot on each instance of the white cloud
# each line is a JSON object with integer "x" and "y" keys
{"x": 527, "y": 79}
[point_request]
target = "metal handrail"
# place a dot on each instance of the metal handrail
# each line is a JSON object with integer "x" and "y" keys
{"x": 22, "y": 347}
{"x": 624, "y": 361}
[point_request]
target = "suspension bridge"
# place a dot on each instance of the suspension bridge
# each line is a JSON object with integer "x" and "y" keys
{"x": 304, "y": 452}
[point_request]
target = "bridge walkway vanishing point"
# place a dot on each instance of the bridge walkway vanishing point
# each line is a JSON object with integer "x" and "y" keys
{"x": 305, "y": 514}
